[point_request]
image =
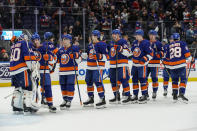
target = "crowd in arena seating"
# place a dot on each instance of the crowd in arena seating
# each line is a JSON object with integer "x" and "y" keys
{"x": 127, "y": 15}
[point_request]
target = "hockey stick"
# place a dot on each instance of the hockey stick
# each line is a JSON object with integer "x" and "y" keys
{"x": 43, "y": 80}
{"x": 190, "y": 66}
{"x": 117, "y": 90}
{"x": 8, "y": 95}
{"x": 76, "y": 76}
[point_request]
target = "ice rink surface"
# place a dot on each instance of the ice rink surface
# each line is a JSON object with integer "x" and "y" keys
{"x": 159, "y": 115}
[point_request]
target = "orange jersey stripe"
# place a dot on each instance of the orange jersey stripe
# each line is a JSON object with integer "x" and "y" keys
{"x": 18, "y": 66}
{"x": 113, "y": 62}
{"x": 28, "y": 58}
{"x": 95, "y": 63}
{"x": 68, "y": 68}
{"x": 154, "y": 62}
{"x": 44, "y": 67}
{"x": 174, "y": 63}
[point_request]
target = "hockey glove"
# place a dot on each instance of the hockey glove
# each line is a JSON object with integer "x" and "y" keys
{"x": 74, "y": 55}
{"x": 47, "y": 57}
{"x": 98, "y": 56}
{"x": 143, "y": 60}
{"x": 118, "y": 48}
{"x": 159, "y": 54}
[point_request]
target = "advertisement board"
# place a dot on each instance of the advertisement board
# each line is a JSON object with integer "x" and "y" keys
{"x": 5, "y": 79}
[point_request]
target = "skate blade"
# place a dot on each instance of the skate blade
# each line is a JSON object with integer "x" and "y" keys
{"x": 144, "y": 102}
{"x": 52, "y": 111}
{"x": 127, "y": 103}
{"x": 115, "y": 103}
{"x": 154, "y": 99}
{"x": 182, "y": 101}
{"x": 100, "y": 107}
{"x": 175, "y": 101}
{"x": 89, "y": 105}
{"x": 62, "y": 108}
{"x": 134, "y": 102}
{"x": 18, "y": 112}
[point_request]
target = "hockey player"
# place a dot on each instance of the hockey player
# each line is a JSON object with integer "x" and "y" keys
{"x": 119, "y": 69}
{"x": 68, "y": 57}
{"x": 142, "y": 54}
{"x": 154, "y": 63}
{"x": 21, "y": 61}
{"x": 45, "y": 57}
{"x": 96, "y": 52}
{"x": 166, "y": 71}
{"x": 177, "y": 53}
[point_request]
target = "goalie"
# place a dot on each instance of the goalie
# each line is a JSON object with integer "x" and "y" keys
{"x": 21, "y": 66}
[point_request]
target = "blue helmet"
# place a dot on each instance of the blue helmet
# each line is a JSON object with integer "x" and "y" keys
{"x": 21, "y": 37}
{"x": 176, "y": 36}
{"x": 116, "y": 31}
{"x": 48, "y": 35}
{"x": 96, "y": 33}
{"x": 152, "y": 32}
{"x": 67, "y": 36}
{"x": 139, "y": 32}
{"x": 35, "y": 36}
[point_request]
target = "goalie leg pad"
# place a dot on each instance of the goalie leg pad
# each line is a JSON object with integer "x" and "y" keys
{"x": 17, "y": 100}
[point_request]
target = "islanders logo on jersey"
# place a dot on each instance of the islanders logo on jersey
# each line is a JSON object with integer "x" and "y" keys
{"x": 136, "y": 52}
{"x": 91, "y": 54}
{"x": 113, "y": 52}
{"x": 37, "y": 55}
{"x": 65, "y": 58}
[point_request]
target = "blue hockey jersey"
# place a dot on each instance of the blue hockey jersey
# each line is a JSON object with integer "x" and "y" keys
{"x": 177, "y": 52}
{"x": 122, "y": 58}
{"x": 139, "y": 50}
{"x": 21, "y": 57}
{"x": 39, "y": 52}
{"x": 157, "y": 54}
{"x": 67, "y": 66}
{"x": 98, "y": 48}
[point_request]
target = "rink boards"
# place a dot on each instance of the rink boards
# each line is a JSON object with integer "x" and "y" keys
{"x": 5, "y": 75}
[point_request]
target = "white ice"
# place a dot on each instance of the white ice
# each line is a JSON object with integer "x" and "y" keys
{"x": 159, "y": 115}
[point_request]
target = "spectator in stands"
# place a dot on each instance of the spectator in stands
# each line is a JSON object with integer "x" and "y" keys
{"x": 77, "y": 30}
{"x": 186, "y": 16}
{"x": 45, "y": 21}
{"x": 4, "y": 55}
{"x": 176, "y": 28}
{"x": 190, "y": 35}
